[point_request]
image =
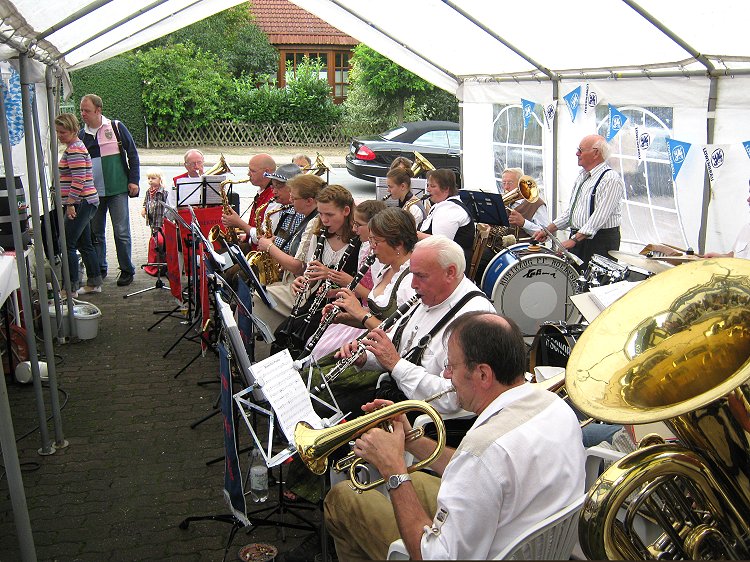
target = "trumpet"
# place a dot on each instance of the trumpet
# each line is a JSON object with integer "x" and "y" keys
{"x": 386, "y": 324}
{"x": 315, "y": 445}
{"x": 328, "y": 320}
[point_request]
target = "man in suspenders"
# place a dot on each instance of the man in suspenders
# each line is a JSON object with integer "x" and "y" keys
{"x": 595, "y": 212}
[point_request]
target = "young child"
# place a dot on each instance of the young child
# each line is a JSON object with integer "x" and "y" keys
{"x": 153, "y": 211}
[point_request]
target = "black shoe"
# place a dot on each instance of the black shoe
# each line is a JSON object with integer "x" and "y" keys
{"x": 124, "y": 279}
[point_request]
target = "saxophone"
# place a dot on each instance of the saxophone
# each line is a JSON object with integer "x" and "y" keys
{"x": 266, "y": 268}
{"x": 230, "y": 235}
{"x": 328, "y": 320}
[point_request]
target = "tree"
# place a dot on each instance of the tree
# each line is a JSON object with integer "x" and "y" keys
{"x": 182, "y": 83}
{"x": 382, "y": 78}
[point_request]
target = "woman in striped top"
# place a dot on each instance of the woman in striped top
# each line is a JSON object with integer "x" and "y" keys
{"x": 80, "y": 199}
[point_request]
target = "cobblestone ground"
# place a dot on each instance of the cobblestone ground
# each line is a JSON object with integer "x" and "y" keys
{"x": 133, "y": 468}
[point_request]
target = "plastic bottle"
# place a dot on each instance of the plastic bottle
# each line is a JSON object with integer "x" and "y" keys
{"x": 258, "y": 478}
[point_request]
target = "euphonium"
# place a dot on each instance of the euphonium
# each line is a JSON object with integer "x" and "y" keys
{"x": 674, "y": 349}
{"x": 421, "y": 164}
{"x": 315, "y": 445}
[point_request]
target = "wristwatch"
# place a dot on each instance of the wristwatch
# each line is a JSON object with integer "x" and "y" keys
{"x": 395, "y": 480}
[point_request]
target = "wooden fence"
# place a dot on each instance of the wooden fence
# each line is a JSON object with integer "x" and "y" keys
{"x": 230, "y": 133}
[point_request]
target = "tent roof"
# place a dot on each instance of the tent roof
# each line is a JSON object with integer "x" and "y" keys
{"x": 444, "y": 41}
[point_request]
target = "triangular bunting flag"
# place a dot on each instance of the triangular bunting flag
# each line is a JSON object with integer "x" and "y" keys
{"x": 715, "y": 156}
{"x": 677, "y": 153}
{"x": 590, "y": 100}
{"x": 616, "y": 122}
{"x": 528, "y": 109}
{"x": 549, "y": 114}
{"x": 746, "y": 144}
{"x": 642, "y": 142}
{"x": 572, "y": 101}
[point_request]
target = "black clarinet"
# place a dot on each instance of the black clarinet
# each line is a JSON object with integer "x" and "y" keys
{"x": 386, "y": 324}
{"x": 320, "y": 296}
{"x": 328, "y": 320}
{"x": 300, "y": 299}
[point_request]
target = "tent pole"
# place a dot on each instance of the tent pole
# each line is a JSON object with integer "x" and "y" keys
{"x": 26, "y": 86}
{"x": 713, "y": 87}
{"x": 551, "y": 199}
{"x": 7, "y": 435}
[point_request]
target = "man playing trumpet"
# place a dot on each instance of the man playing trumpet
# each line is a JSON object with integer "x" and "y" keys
{"x": 521, "y": 461}
{"x": 523, "y": 214}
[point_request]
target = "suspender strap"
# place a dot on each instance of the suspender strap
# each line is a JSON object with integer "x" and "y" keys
{"x": 414, "y": 355}
{"x": 592, "y": 200}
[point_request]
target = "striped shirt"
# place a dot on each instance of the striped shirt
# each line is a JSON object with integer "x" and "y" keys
{"x": 608, "y": 202}
{"x": 77, "y": 176}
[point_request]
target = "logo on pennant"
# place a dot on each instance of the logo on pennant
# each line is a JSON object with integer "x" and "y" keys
{"x": 642, "y": 142}
{"x": 591, "y": 99}
{"x": 528, "y": 109}
{"x": 677, "y": 153}
{"x": 717, "y": 158}
{"x": 746, "y": 144}
{"x": 572, "y": 101}
{"x": 549, "y": 114}
{"x": 616, "y": 122}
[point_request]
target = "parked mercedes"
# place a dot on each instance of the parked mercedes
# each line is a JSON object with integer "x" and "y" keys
{"x": 438, "y": 141}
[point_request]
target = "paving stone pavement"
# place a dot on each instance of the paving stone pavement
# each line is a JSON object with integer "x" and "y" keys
{"x": 133, "y": 468}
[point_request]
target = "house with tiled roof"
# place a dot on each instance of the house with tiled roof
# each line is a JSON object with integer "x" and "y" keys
{"x": 295, "y": 32}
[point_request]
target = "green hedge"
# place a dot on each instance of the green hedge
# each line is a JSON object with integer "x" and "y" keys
{"x": 116, "y": 80}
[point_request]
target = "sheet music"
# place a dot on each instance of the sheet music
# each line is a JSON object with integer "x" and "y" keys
{"x": 205, "y": 190}
{"x": 284, "y": 389}
{"x": 605, "y": 295}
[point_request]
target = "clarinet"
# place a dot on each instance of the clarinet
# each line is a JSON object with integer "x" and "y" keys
{"x": 328, "y": 320}
{"x": 327, "y": 285}
{"x": 386, "y": 324}
{"x": 301, "y": 296}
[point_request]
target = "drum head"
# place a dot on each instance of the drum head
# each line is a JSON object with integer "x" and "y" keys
{"x": 533, "y": 290}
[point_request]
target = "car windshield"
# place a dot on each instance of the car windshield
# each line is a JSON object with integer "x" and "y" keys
{"x": 393, "y": 133}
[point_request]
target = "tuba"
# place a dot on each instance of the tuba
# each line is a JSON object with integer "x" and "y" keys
{"x": 421, "y": 164}
{"x": 675, "y": 349}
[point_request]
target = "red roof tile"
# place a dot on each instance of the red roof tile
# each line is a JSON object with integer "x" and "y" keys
{"x": 288, "y": 24}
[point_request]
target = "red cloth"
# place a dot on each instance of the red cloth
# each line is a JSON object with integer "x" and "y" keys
{"x": 174, "y": 179}
{"x": 261, "y": 198}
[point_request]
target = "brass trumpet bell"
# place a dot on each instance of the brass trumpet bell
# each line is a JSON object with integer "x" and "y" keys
{"x": 421, "y": 164}
{"x": 527, "y": 189}
{"x": 221, "y": 168}
{"x": 319, "y": 167}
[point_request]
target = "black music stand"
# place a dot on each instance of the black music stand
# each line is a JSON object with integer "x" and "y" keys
{"x": 487, "y": 208}
{"x": 202, "y": 191}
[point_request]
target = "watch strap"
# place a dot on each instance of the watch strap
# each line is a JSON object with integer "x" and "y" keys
{"x": 395, "y": 480}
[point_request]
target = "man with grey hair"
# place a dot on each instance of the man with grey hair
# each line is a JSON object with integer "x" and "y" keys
{"x": 530, "y": 217}
{"x": 193, "y": 162}
{"x": 413, "y": 352}
{"x": 595, "y": 211}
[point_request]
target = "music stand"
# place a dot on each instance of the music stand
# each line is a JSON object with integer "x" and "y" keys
{"x": 484, "y": 207}
{"x": 203, "y": 191}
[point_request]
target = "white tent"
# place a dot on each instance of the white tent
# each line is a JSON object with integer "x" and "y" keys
{"x": 675, "y": 70}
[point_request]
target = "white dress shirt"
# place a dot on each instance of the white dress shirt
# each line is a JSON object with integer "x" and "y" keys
{"x": 522, "y": 460}
{"x": 607, "y": 210}
{"x": 418, "y": 382}
{"x": 446, "y": 218}
{"x": 741, "y": 246}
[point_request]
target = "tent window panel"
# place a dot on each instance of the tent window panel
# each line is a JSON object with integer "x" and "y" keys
{"x": 514, "y": 145}
{"x": 638, "y": 224}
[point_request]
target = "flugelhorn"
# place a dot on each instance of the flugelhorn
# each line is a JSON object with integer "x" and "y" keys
{"x": 316, "y": 445}
{"x": 527, "y": 189}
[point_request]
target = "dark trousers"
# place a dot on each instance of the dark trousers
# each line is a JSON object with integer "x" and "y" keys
{"x": 601, "y": 243}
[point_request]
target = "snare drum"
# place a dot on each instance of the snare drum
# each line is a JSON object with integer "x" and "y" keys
{"x": 530, "y": 287}
{"x": 552, "y": 344}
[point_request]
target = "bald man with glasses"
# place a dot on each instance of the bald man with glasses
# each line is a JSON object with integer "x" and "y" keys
{"x": 595, "y": 213}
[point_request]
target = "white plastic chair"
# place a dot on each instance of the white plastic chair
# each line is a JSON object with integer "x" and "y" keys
{"x": 552, "y": 538}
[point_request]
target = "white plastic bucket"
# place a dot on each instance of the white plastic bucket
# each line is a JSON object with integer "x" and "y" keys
{"x": 23, "y": 372}
{"x": 86, "y": 316}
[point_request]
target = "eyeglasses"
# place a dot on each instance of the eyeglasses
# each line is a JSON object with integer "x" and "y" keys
{"x": 375, "y": 241}
{"x": 448, "y": 367}
{"x": 582, "y": 150}
{"x": 356, "y": 224}
{"x": 199, "y": 163}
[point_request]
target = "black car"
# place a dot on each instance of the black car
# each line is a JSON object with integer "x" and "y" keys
{"x": 438, "y": 141}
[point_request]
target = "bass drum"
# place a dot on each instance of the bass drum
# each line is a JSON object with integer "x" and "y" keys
{"x": 552, "y": 344}
{"x": 530, "y": 286}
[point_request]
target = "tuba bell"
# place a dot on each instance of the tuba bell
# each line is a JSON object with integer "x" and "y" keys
{"x": 674, "y": 349}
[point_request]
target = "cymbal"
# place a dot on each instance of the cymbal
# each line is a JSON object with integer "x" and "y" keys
{"x": 637, "y": 260}
{"x": 676, "y": 259}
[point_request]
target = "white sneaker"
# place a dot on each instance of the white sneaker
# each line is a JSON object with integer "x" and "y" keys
{"x": 88, "y": 289}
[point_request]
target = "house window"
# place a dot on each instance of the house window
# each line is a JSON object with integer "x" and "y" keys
{"x": 292, "y": 59}
{"x": 341, "y": 76}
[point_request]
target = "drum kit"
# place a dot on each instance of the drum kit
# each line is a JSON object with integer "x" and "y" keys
{"x": 537, "y": 300}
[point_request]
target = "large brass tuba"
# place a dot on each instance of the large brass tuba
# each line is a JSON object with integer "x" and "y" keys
{"x": 315, "y": 445}
{"x": 674, "y": 349}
